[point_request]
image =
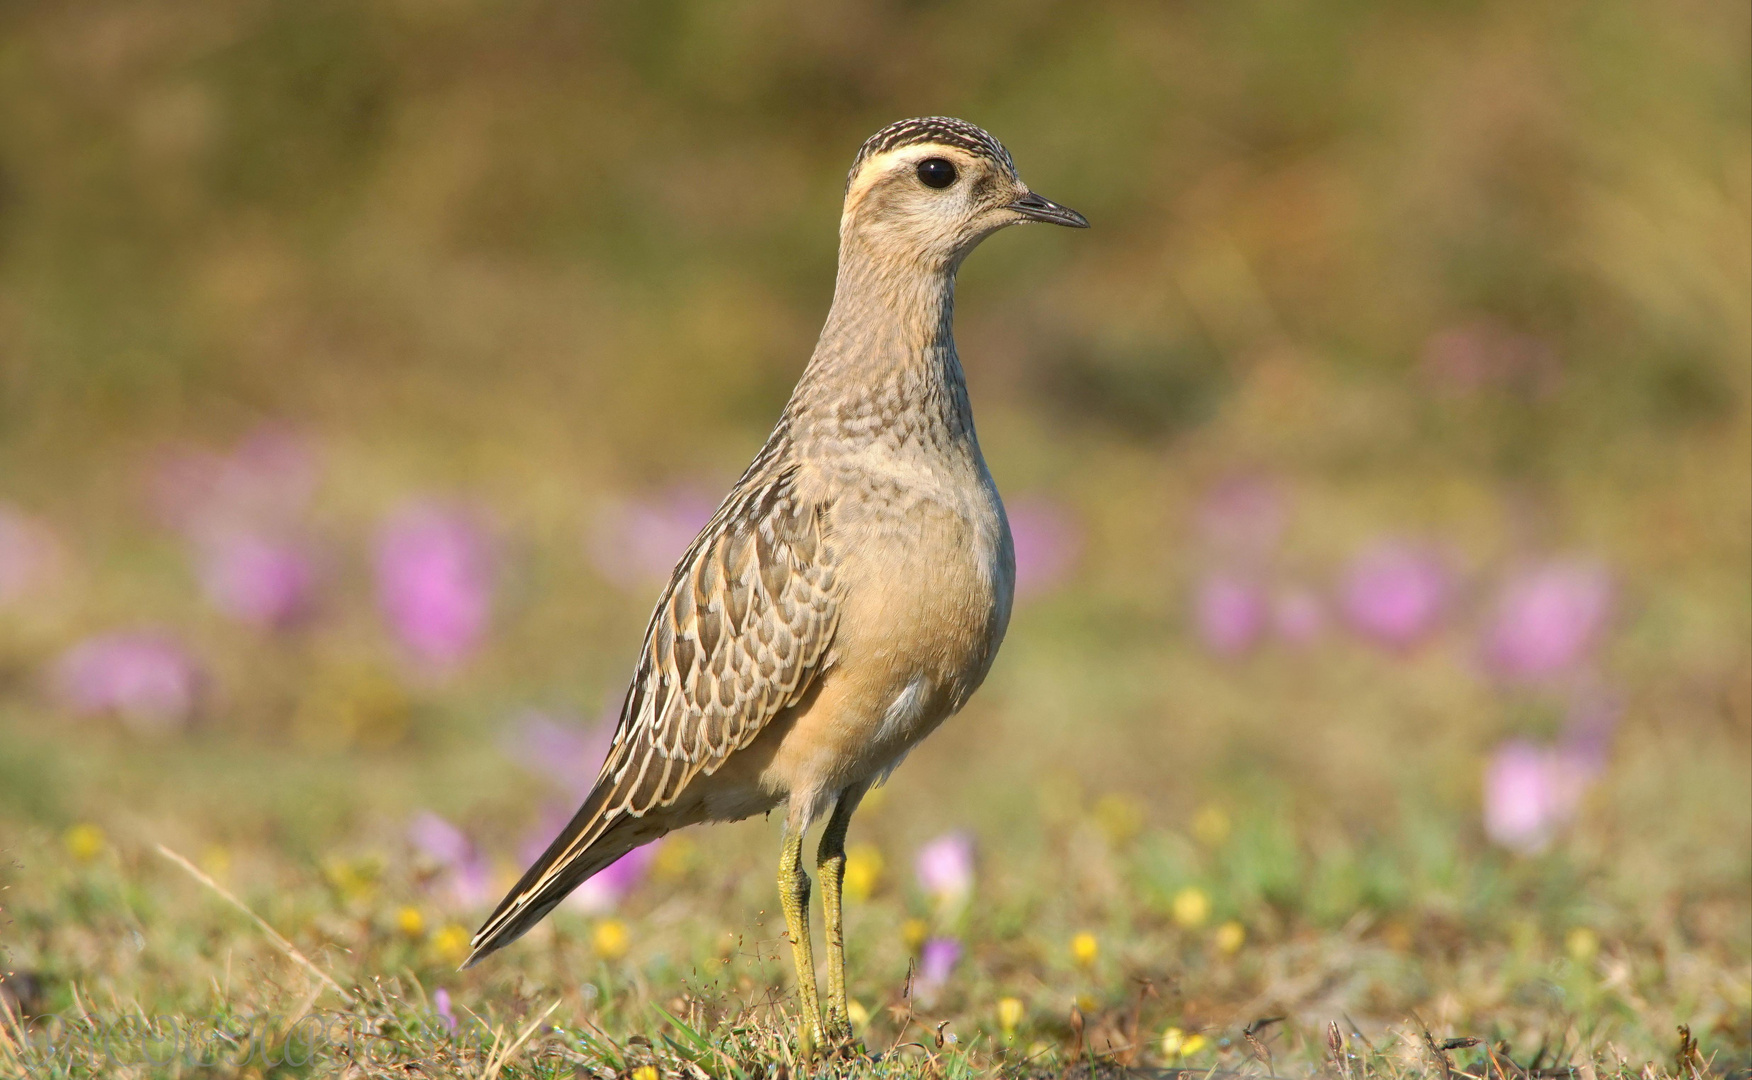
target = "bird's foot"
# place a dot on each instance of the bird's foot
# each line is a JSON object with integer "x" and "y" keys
{"x": 838, "y": 1041}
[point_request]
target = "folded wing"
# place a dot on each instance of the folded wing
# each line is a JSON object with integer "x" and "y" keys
{"x": 742, "y": 630}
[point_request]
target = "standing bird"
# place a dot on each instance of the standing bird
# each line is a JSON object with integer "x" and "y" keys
{"x": 853, "y": 588}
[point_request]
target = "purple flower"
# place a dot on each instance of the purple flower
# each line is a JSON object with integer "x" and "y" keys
{"x": 435, "y": 581}
{"x": 610, "y": 885}
{"x": 936, "y": 962}
{"x": 1548, "y": 617}
{"x": 1229, "y": 612}
{"x": 257, "y": 579}
{"x": 604, "y": 891}
{"x": 1483, "y": 354}
{"x": 441, "y": 1005}
{"x": 267, "y": 480}
{"x": 566, "y": 753}
{"x": 1587, "y": 731}
{"x": 641, "y": 540}
{"x": 30, "y": 557}
{"x": 438, "y": 838}
{"x": 144, "y": 678}
{"x": 1530, "y": 792}
{"x": 1048, "y": 541}
{"x": 1395, "y": 593}
{"x": 945, "y": 868}
{"x": 1242, "y": 516}
{"x": 465, "y": 877}
{"x": 1298, "y": 615}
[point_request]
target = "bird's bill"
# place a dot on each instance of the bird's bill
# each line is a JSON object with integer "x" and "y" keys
{"x": 1040, "y": 208}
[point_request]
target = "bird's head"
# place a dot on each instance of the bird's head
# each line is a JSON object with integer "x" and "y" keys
{"x": 932, "y": 188}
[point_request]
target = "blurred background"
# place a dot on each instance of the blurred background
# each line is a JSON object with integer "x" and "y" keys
{"x": 1379, "y": 462}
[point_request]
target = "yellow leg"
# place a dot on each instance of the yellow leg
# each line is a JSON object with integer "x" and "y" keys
{"x": 830, "y": 863}
{"x": 794, "y": 895}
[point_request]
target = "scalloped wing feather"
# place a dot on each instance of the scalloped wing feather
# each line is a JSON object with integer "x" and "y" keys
{"x": 740, "y": 633}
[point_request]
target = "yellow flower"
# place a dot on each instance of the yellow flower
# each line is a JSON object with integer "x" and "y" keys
{"x": 410, "y": 922}
{"x": 609, "y": 939}
{"x": 1582, "y": 944}
{"x": 1191, "y": 907}
{"x": 1230, "y": 937}
{"x": 1178, "y": 1044}
{"x": 857, "y": 1014}
{"x": 452, "y": 942}
{"x": 84, "y": 842}
{"x": 914, "y": 932}
{"x": 1211, "y": 825}
{"x": 1010, "y": 1013}
{"x": 1120, "y": 816}
{"x": 1172, "y": 1040}
{"x": 1084, "y": 949}
{"x": 1398, "y": 936}
{"x": 354, "y": 879}
{"x": 645, "y": 1072}
{"x": 863, "y": 871}
{"x": 675, "y": 857}
{"x": 216, "y": 861}
{"x": 356, "y": 706}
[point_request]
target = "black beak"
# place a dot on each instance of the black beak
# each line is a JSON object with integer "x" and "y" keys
{"x": 1039, "y": 208}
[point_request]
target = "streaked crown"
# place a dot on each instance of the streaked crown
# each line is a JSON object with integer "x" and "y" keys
{"x": 939, "y": 130}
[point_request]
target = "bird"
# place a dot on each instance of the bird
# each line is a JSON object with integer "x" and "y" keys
{"x": 851, "y": 591}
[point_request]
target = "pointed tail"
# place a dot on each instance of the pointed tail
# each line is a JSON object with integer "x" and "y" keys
{"x": 584, "y": 847}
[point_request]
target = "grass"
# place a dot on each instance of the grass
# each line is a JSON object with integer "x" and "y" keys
{"x": 1251, "y": 940}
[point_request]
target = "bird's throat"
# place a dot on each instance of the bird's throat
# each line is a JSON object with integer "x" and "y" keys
{"x": 888, "y": 346}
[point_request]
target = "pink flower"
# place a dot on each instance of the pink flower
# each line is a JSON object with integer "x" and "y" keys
{"x": 610, "y": 885}
{"x": 435, "y": 581}
{"x": 266, "y": 481}
{"x": 1483, "y": 354}
{"x": 604, "y": 891}
{"x": 1048, "y": 541}
{"x": 1592, "y": 714}
{"x": 30, "y": 556}
{"x": 936, "y": 962}
{"x": 441, "y": 1006}
{"x": 440, "y": 839}
{"x": 566, "y": 753}
{"x": 464, "y": 880}
{"x": 1229, "y": 612}
{"x": 945, "y": 868}
{"x": 641, "y": 540}
{"x": 257, "y": 579}
{"x": 1395, "y": 593}
{"x": 1242, "y": 517}
{"x": 1299, "y": 616}
{"x": 1530, "y": 792}
{"x": 1548, "y": 617}
{"x": 144, "y": 678}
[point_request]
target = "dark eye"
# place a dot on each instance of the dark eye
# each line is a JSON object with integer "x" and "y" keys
{"x": 936, "y": 172}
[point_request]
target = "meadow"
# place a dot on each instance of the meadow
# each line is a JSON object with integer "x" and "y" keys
{"x": 1378, "y": 700}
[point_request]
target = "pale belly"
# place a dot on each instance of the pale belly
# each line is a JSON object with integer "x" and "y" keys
{"x": 926, "y": 603}
{"x": 925, "y": 599}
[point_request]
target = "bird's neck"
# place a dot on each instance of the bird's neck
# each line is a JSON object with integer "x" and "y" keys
{"x": 885, "y": 366}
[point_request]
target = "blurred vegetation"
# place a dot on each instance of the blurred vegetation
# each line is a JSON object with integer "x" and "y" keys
{"x": 545, "y": 256}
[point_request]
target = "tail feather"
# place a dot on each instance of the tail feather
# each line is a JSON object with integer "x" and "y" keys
{"x": 565, "y": 865}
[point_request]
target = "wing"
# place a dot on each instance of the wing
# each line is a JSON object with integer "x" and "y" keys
{"x": 739, "y": 635}
{"x": 741, "y": 631}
